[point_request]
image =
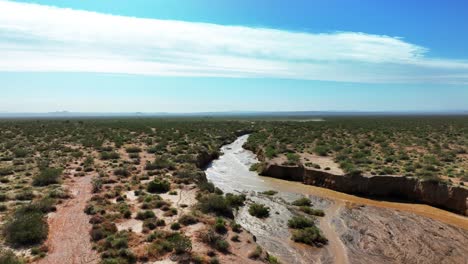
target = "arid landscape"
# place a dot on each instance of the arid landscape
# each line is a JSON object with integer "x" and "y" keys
{"x": 172, "y": 190}
{"x": 233, "y": 132}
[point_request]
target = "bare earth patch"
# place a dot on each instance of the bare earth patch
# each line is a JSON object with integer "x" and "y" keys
{"x": 69, "y": 227}
{"x": 377, "y": 235}
{"x": 323, "y": 162}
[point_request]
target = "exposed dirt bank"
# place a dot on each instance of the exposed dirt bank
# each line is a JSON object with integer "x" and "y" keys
{"x": 68, "y": 240}
{"x": 377, "y": 235}
{"x": 436, "y": 194}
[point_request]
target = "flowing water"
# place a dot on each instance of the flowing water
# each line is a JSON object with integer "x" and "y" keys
{"x": 231, "y": 174}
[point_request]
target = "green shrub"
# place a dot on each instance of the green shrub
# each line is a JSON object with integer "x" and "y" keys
{"x": 220, "y": 226}
{"x": 47, "y": 176}
{"x": 270, "y": 192}
{"x": 272, "y": 259}
{"x": 259, "y": 210}
{"x": 188, "y": 220}
{"x": 311, "y": 211}
{"x": 235, "y": 201}
{"x": 142, "y": 215}
{"x": 235, "y": 238}
{"x": 302, "y": 202}
{"x": 309, "y": 236}
{"x": 300, "y": 222}
{"x": 206, "y": 186}
{"x": 216, "y": 241}
{"x": 109, "y": 155}
{"x": 236, "y": 227}
{"x": 150, "y": 223}
{"x": 321, "y": 150}
{"x": 25, "y": 195}
{"x": 20, "y": 153}
{"x": 215, "y": 203}
{"x": 8, "y": 257}
{"x": 27, "y": 227}
{"x": 256, "y": 254}
{"x": 180, "y": 243}
{"x": 133, "y": 150}
{"x": 123, "y": 172}
{"x": 6, "y": 171}
{"x": 175, "y": 226}
{"x": 158, "y": 186}
{"x": 161, "y": 163}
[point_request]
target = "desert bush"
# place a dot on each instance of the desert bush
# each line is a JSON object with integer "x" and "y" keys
{"x": 236, "y": 227}
{"x": 6, "y": 171}
{"x": 109, "y": 155}
{"x": 188, "y": 219}
{"x": 161, "y": 163}
{"x": 300, "y": 222}
{"x": 123, "y": 172}
{"x": 302, "y": 202}
{"x": 234, "y": 200}
{"x": 220, "y": 226}
{"x": 175, "y": 226}
{"x": 256, "y": 253}
{"x": 259, "y": 210}
{"x": 133, "y": 150}
{"x": 311, "y": 211}
{"x": 215, "y": 203}
{"x": 150, "y": 223}
{"x": 180, "y": 243}
{"x": 26, "y": 227}
{"x": 215, "y": 241}
{"x": 158, "y": 186}
{"x": 8, "y": 257}
{"x": 272, "y": 259}
{"x": 270, "y": 192}
{"x": 206, "y": 186}
{"x": 142, "y": 215}
{"x": 25, "y": 195}
{"x": 309, "y": 236}
{"x": 47, "y": 176}
{"x": 20, "y": 153}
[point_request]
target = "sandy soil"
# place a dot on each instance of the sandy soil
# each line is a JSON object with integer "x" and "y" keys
{"x": 377, "y": 235}
{"x": 335, "y": 247}
{"x": 69, "y": 227}
{"x": 324, "y": 162}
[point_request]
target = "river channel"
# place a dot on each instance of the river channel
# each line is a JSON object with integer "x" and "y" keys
{"x": 231, "y": 174}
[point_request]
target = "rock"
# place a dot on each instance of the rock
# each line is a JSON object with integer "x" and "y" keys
{"x": 436, "y": 194}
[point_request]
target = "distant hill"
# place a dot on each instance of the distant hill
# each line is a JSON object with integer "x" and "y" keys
{"x": 67, "y": 114}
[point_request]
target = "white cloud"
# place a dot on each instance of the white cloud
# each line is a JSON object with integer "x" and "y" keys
{"x": 49, "y": 39}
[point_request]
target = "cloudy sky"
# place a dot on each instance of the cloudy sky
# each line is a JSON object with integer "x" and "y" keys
{"x": 202, "y": 55}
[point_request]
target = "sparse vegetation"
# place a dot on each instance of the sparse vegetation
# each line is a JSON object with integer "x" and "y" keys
{"x": 309, "y": 236}
{"x": 302, "y": 202}
{"x": 259, "y": 210}
{"x": 36, "y": 157}
{"x": 26, "y": 227}
{"x": 158, "y": 186}
{"x": 47, "y": 176}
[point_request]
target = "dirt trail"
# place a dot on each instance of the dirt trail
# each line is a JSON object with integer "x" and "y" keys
{"x": 335, "y": 247}
{"x": 68, "y": 240}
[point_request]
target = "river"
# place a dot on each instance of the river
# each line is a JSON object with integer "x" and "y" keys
{"x": 231, "y": 174}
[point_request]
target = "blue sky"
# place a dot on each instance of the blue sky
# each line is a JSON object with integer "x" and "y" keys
{"x": 202, "y": 55}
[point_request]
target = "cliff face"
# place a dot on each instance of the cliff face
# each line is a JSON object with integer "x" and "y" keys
{"x": 410, "y": 189}
{"x": 205, "y": 158}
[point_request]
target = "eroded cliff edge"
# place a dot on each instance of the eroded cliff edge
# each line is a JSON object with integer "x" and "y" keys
{"x": 436, "y": 194}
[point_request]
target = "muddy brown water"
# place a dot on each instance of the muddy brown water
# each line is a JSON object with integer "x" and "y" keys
{"x": 231, "y": 174}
